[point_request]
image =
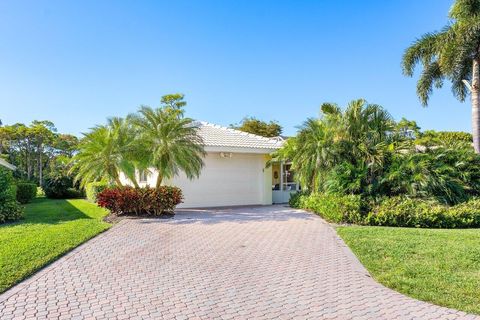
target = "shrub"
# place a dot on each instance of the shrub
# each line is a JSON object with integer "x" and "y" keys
{"x": 149, "y": 201}
{"x": 92, "y": 189}
{"x": 26, "y": 192}
{"x": 297, "y": 198}
{"x": 465, "y": 215}
{"x": 40, "y": 192}
{"x": 9, "y": 208}
{"x": 74, "y": 193}
{"x": 406, "y": 212}
{"x": 332, "y": 207}
{"x": 60, "y": 187}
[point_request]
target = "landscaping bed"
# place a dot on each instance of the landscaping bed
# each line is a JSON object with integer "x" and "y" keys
{"x": 398, "y": 211}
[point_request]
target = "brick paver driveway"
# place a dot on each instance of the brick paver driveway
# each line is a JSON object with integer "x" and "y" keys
{"x": 243, "y": 263}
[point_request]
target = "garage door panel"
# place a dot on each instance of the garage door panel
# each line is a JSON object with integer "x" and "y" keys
{"x": 225, "y": 181}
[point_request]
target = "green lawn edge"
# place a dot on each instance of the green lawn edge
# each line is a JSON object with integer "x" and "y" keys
{"x": 49, "y": 230}
{"x": 440, "y": 266}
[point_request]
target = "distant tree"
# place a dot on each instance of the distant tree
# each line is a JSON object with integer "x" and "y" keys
{"x": 407, "y": 128}
{"x": 174, "y": 103}
{"x": 66, "y": 144}
{"x": 259, "y": 127}
{"x": 452, "y": 139}
{"x": 42, "y": 132}
{"x": 33, "y": 147}
{"x": 453, "y": 54}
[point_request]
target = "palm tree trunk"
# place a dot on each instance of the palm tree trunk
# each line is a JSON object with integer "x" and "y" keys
{"x": 159, "y": 181}
{"x": 40, "y": 167}
{"x": 135, "y": 184}
{"x": 118, "y": 181}
{"x": 476, "y": 105}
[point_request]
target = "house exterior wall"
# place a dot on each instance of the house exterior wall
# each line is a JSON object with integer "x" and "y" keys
{"x": 241, "y": 179}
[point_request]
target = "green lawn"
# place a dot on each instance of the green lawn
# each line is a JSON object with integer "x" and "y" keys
{"x": 439, "y": 266}
{"x": 50, "y": 229}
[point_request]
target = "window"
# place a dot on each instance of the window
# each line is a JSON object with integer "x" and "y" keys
{"x": 142, "y": 176}
{"x": 289, "y": 182}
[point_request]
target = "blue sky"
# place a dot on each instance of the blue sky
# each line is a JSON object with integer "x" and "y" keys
{"x": 78, "y": 62}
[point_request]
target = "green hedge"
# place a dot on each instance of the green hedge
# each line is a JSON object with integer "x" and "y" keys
{"x": 61, "y": 187}
{"x": 331, "y": 207}
{"x": 92, "y": 189}
{"x": 26, "y": 192}
{"x": 393, "y": 211}
{"x": 9, "y": 208}
{"x": 405, "y": 212}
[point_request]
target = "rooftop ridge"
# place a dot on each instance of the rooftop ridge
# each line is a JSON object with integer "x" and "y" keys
{"x": 256, "y": 136}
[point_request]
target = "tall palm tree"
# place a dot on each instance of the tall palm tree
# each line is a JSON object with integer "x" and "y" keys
{"x": 172, "y": 140}
{"x": 451, "y": 54}
{"x": 106, "y": 151}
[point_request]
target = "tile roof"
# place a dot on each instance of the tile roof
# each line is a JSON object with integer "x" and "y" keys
{"x": 218, "y": 136}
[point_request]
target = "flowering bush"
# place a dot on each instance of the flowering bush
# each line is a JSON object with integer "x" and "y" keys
{"x": 150, "y": 201}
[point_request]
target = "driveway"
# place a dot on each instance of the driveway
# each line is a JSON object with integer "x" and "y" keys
{"x": 242, "y": 263}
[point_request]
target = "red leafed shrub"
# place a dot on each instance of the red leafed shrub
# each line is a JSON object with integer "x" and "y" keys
{"x": 150, "y": 201}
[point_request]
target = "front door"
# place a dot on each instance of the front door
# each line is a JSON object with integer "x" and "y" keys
{"x": 283, "y": 182}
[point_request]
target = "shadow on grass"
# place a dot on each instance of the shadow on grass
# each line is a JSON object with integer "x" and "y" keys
{"x": 49, "y": 211}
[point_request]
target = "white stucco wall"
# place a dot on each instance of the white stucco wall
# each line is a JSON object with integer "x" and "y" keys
{"x": 239, "y": 180}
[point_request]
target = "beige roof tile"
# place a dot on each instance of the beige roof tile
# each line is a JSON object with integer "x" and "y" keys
{"x": 218, "y": 136}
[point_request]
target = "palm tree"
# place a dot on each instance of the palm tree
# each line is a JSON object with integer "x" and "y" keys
{"x": 312, "y": 153}
{"x": 106, "y": 151}
{"x": 451, "y": 54}
{"x": 356, "y": 140}
{"x": 363, "y": 132}
{"x": 172, "y": 140}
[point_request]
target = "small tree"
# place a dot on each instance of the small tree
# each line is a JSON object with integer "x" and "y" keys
{"x": 172, "y": 140}
{"x": 259, "y": 127}
{"x": 106, "y": 151}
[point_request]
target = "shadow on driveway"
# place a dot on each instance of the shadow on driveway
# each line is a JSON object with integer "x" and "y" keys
{"x": 238, "y": 214}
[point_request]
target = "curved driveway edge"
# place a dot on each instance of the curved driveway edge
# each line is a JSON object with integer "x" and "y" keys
{"x": 267, "y": 262}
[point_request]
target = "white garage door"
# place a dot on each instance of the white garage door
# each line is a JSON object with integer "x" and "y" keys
{"x": 225, "y": 182}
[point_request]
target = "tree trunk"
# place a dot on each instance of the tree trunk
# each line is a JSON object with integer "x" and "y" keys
{"x": 159, "y": 181}
{"x": 476, "y": 105}
{"x": 118, "y": 181}
{"x": 135, "y": 182}
{"x": 40, "y": 167}
{"x": 29, "y": 166}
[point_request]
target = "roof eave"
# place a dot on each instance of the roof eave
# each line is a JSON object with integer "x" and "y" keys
{"x": 240, "y": 149}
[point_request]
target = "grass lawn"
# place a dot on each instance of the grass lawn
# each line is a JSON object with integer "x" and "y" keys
{"x": 439, "y": 266}
{"x": 50, "y": 229}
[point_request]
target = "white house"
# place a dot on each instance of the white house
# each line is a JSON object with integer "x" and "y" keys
{"x": 235, "y": 171}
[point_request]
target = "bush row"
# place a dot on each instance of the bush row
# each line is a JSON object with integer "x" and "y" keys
{"x": 332, "y": 207}
{"x": 393, "y": 211}
{"x": 149, "y": 201}
{"x": 405, "y": 212}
